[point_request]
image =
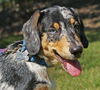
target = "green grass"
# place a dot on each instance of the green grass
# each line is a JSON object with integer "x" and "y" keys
{"x": 8, "y": 40}
{"x": 90, "y": 61}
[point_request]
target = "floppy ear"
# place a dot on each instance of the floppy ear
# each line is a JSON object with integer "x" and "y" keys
{"x": 31, "y": 34}
{"x": 82, "y": 34}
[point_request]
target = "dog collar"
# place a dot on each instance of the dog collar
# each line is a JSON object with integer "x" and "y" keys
{"x": 33, "y": 58}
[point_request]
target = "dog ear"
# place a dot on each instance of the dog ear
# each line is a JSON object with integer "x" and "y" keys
{"x": 31, "y": 34}
{"x": 82, "y": 34}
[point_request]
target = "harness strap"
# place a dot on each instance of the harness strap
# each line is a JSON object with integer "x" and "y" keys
{"x": 23, "y": 46}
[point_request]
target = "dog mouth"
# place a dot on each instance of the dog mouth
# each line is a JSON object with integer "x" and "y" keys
{"x": 71, "y": 66}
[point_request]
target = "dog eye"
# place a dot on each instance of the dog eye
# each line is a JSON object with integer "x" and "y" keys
{"x": 56, "y": 26}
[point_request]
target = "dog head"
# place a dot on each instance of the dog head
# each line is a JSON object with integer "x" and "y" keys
{"x": 57, "y": 32}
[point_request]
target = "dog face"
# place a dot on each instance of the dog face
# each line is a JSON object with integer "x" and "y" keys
{"x": 59, "y": 32}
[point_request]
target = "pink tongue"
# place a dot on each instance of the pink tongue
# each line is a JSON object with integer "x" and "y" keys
{"x": 72, "y": 67}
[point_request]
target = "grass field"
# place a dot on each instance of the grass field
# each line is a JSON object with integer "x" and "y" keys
{"x": 90, "y": 61}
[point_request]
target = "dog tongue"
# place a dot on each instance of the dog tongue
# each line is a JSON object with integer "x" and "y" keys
{"x": 72, "y": 67}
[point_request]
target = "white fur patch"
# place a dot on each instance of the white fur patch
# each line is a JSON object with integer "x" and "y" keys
{"x": 65, "y": 12}
{"x": 5, "y": 86}
{"x": 40, "y": 71}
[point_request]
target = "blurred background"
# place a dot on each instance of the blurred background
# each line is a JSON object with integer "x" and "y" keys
{"x": 14, "y": 13}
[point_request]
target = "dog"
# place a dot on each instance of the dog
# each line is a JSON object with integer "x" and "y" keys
{"x": 51, "y": 35}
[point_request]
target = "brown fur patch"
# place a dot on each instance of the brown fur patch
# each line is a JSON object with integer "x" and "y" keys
{"x": 35, "y": 18}
{"x": 72, "y": 20}
{"x": 42, "y": 87}
{"x": 78, "y": 41}
{"x": 62, "y": 47}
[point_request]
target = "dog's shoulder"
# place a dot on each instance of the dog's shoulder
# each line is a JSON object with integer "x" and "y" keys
{"x": 18, "y": 73}
{"x": 14, "y": 45}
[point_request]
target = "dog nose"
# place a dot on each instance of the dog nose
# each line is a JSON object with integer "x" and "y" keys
{"x": 76, "y": 50}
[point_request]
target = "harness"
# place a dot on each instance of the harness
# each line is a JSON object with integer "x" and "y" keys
{"x": 34, "y": 58}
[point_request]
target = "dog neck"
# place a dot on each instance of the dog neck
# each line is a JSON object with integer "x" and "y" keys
{"x": 33, "y": 58}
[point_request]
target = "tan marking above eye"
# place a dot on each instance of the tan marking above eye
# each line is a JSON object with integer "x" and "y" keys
{"x": 56, "y": 25}
{"x": 72, "y": 20}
